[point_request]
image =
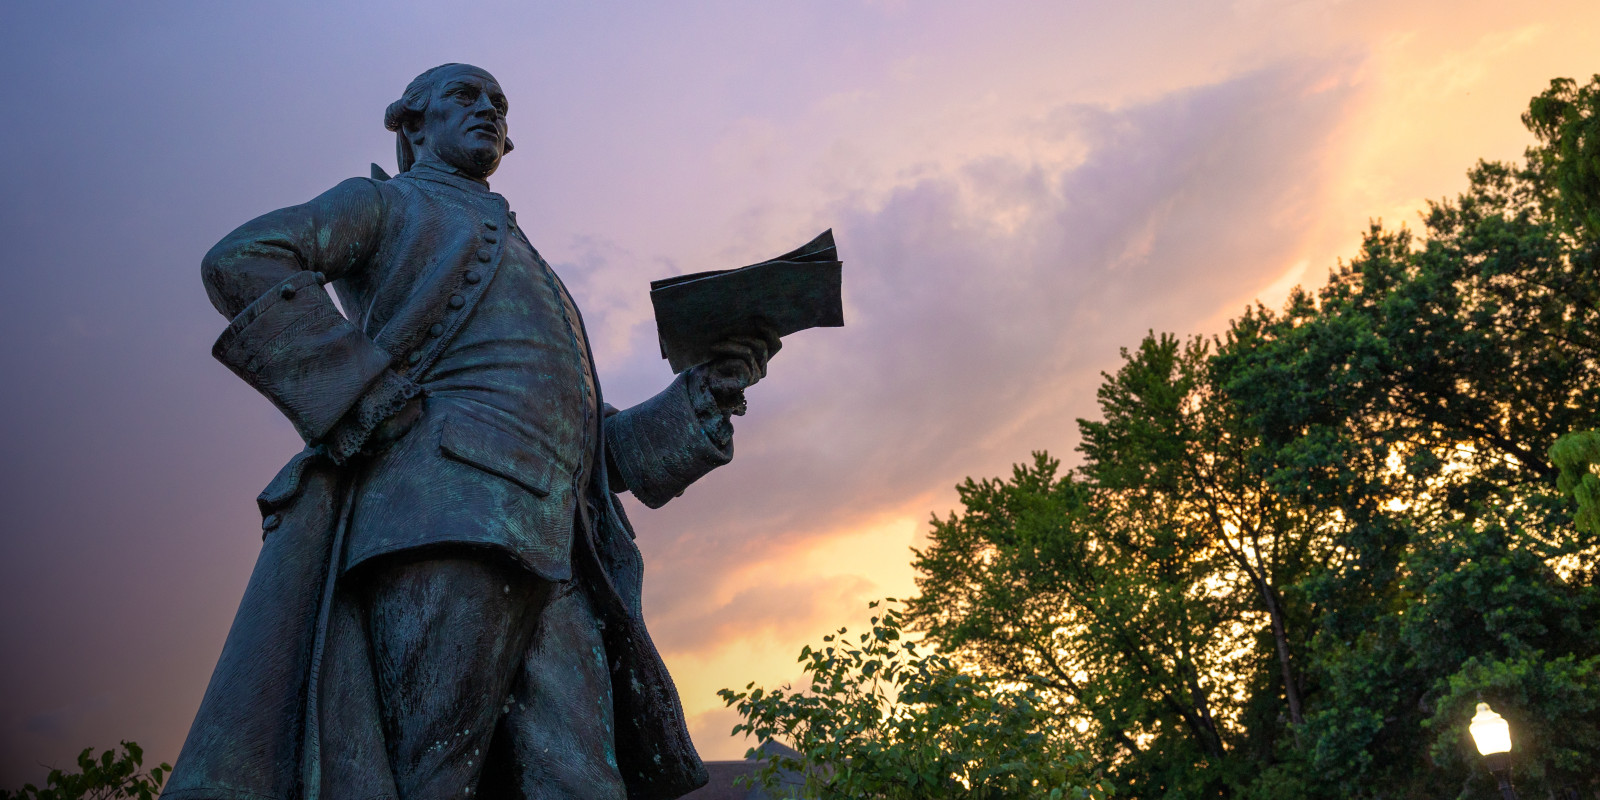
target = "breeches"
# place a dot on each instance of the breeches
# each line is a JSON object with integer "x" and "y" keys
{"x": 488, "y": 681}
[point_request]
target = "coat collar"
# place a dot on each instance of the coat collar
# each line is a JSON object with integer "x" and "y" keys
{"x": 436, "y": 172}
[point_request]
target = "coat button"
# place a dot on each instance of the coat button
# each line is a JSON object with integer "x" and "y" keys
{"x": 472, "y": 276}
{"x": 435, "y": 330}
{"x": 414, "y": 356}
{"x": 270, "y": 522}
{"x": 489, "y": 238}
{"x": 288, "y": 292}
{"x": 484, "y": 254}
{"x": 457, "y": 301}
{"x": 489, "y": 223}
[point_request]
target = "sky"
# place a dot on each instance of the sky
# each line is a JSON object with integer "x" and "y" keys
{"x": 1017, "y": 190}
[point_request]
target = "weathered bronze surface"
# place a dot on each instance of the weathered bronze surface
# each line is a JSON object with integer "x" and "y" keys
{"x": 446, "y": 603}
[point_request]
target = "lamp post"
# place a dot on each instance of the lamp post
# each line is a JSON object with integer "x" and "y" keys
{"x": 1493, "y": 737}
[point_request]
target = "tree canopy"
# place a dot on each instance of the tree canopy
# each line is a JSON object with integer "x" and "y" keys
{"x": 1295, "y": 555}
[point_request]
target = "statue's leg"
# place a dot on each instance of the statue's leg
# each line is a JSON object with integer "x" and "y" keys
{"x": 557, "y": 738}
{"x": 449, "y": 630}
{"x": 355, "y": 758}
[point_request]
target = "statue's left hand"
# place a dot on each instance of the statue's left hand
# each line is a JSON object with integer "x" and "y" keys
{"x": 738, "y": 363}
{"x": 396, "y": 426}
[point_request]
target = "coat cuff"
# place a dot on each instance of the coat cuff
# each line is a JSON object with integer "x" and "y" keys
{"x": 659, "y": 447}
{"x": 294, "y": 346}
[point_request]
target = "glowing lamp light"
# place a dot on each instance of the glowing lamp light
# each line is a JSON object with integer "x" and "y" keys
{"x": 1493, "y": 737}
{"x": 1490, "y": 731}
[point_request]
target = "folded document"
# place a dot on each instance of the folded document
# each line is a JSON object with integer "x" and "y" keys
{"x": 795, "y": 291}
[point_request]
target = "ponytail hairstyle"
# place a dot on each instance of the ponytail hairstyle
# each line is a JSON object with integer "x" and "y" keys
{"x": 409, "y": 110}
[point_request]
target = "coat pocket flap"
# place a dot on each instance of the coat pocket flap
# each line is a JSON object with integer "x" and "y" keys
{"x": 494, "y": 451}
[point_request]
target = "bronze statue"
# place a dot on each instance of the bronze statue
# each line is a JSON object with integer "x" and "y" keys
{"x": 446, "y": 603}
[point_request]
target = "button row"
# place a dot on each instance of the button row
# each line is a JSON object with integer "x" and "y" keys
{"x": 456, "y": 301}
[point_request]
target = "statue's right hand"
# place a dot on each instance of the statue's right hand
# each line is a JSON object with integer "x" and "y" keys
{"x": 396, "y": 426}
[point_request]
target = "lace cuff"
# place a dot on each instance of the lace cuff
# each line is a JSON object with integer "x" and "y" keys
{"x": 386, "y": 396}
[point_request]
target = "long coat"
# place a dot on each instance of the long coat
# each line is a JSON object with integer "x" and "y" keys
{"x": 411, "y": 260}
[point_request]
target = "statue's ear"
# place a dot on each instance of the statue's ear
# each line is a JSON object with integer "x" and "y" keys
{"x": 411, "y": 131}
{"x": 509, "y": 145}
{"x": 378, "y": 174}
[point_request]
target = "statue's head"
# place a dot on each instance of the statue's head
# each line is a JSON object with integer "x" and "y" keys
{"x": 454, "y": 113}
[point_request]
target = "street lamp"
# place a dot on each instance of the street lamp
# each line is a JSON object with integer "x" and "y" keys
{"x": 1493, "y": 737}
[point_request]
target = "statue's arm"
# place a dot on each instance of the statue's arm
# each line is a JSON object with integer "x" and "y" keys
{"x": 658, "y": 447}
{"x": 285, "y": 336}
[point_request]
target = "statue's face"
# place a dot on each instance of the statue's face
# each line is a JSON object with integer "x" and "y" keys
{"x": 465, "y": 123}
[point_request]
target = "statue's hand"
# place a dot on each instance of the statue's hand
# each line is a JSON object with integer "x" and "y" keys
{"x": 392, "y": 429}
{"x": 738, "y": 363}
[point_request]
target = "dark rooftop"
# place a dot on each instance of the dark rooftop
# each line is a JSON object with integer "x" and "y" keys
{"x": 723, "y": 774}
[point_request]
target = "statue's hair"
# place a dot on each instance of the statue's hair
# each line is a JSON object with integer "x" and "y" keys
{"x": 409, "y": 110}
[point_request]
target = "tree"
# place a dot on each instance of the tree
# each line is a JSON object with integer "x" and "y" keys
{"x": 1566, "y": 119}
{"x": 882, "y": 720}
{"x": 1414, "y": 402}
{"x": 1478, "y": 614}
{"x": 104, "y": 778}
{"x": 1577, "y": 455}
{"x": 1296, "y": 555}
{"x": 1152, "y": 595}
{"x": 1094, "y": 605}
{"x": 1438, "y": 368}
{"x": 1169, "y": 436}
{"x": 1566, "y": 162}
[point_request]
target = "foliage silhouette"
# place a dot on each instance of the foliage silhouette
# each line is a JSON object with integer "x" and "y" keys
{"x": 883, "y": 720}
{"x": 104, "y": 778}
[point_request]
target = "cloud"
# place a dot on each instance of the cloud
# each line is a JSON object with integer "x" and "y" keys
{"x": 775, "y": 608}
{"x": 981, "y": 305}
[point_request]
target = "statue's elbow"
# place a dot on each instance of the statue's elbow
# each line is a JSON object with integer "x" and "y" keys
{"x": 234, "y": 277}
{"x": 213, "y": 275}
